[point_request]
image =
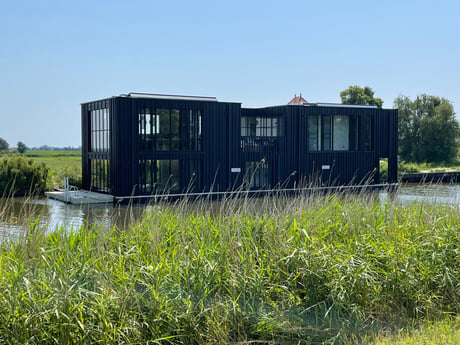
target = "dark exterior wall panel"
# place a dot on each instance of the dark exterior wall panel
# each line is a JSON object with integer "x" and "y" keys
{"x": 224, "y": 153}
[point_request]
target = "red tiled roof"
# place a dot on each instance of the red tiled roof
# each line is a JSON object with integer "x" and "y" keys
{"x": 298, "y": 100}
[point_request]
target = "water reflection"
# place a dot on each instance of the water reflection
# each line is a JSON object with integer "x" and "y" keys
{"x": 428, "y": 193}
{"x": 17, "y": 214}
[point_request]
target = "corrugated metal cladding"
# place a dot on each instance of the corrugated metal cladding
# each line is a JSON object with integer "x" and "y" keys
{"x": 136, "y": 146}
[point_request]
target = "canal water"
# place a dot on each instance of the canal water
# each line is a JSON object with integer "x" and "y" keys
{"x": 17, "y": 215}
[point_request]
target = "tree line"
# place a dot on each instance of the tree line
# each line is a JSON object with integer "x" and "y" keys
{"x": 428, "y": 130}
{"x": 21, "y": 147}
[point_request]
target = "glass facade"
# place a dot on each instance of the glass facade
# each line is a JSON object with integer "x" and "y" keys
{"x": 168, "y": 175}
{"x": 334, "y": 133}
{"x": 257, "y": 174}
{"x": 100, "y": 174}
{"x": 260, "y": 126}
{"x": 100, "y": 130}
{"x": 99, "y": 149}
{"x": 169, "y": 129}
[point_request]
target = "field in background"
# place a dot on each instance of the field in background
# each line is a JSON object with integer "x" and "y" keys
{"x": 61, "y": 163}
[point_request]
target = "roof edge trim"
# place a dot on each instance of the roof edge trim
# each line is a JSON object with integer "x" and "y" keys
{"x": 174, "y": 97}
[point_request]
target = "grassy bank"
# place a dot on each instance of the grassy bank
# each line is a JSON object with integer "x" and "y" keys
{"x": 319, "y": 269}
{"x": 61, "y": 164}
{"x": 445, "y": 332}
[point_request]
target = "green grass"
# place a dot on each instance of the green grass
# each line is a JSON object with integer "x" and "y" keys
{"x": 445, "y": 332}
{"x": 61, "y": 164}
{"x": 334, "y": 269}
{"x": 408, "y": 167}
{"x": 57, "y": 160}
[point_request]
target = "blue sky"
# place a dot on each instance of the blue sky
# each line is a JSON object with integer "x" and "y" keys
{"x": 57, "y": 54}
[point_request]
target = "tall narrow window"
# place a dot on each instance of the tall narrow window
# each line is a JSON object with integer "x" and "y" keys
{"x": 367, "y": 126}
{"x": 341, "y": 133}
{"x": 162, "y": 142}
{"x": 353, "y": 134}
{"x": 313, "y": 131}
{"x": 99, "y": 153}
{"x": 175, "y": 130}
{"x": 100, "y": 130}
{"x": 148, "y": 128}
{"x": 326, "y": 134}
{"x": 191, "y": 136}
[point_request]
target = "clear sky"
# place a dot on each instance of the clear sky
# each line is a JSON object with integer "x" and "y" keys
{"x": 56, "y": 54}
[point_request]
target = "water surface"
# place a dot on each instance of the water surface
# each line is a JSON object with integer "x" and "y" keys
{"x": 17, "y": 214}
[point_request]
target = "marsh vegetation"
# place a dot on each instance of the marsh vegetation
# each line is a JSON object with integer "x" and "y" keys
{"x": 313, "y": 269}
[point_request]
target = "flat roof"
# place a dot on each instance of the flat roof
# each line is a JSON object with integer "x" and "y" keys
{"x": 340, "y": 105}
{"x": 175, "y": 97}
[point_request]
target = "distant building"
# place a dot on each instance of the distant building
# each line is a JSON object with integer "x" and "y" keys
{"x": 143, "y": 144}
{"x": 298, "y": 100}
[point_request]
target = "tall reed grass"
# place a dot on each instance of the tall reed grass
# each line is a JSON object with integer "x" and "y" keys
{"x": 313, "y": 269}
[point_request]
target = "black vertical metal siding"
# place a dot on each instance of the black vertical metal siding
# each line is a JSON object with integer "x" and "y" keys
{"x": 220, "y": 138}
{"x": 221, "y": 135}
{"x": 341, "y": 167}
{"x": 122, "y": 148}
{"x": 290, "y": 161}
{"x": 393, "y": 146}
{"x": 298, "y": 166}
{"x": 86, "y": 178}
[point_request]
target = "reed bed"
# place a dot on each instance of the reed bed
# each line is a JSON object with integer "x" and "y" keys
{"x": 334, "y": 269}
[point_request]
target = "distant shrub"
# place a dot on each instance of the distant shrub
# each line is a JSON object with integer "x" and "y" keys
{"x": 21, "y": 176}
{"x": 74, "y": 175}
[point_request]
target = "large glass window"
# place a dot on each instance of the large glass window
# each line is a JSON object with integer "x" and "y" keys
{"x": 259, "y": 126}
{"x": 100, "y": 174}
{"x": 100, "y": 130}
{"x": 333, "y": 133}
{"x": 170, "y": 129}
{"x": 257, "y": 174}
{"x": 99, "y": 149}
{"x": 160, "y": 176}
{"x": 164, "y": 175}
{"x": 149, "y": 127}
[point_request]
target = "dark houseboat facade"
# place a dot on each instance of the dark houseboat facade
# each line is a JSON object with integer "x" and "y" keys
{"x": 147, "y": 144}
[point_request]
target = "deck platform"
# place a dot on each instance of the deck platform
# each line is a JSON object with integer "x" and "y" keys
{"x": 80, "y": 197}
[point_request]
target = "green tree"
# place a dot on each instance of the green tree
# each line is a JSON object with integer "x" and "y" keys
{"x": 21, "y": 147}
{"x": 357, "y": 95}
{"x": 3, "y": 144}
{"x": 427, "y": 128}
